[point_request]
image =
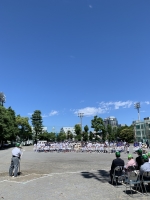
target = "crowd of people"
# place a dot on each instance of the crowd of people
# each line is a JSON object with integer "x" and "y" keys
{"x": 99, "y": 147}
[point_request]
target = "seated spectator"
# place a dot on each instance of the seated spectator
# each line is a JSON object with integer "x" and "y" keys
{"x": 148, "y": 156}
{"x": 131, "y": 163}
{"x": 116, "y": 162}
{"x": 146, "y": 166}
{"x": 139, "y": 159}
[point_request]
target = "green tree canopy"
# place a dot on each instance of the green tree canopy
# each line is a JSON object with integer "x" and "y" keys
{"x": 77, "y": 129}
{"x": 61, "y": 137}
{"x": 8, "y": 126}
{"x": 69, "y": 135}
{"x": 97, "y": 124}
{"x": 127, "y": 134}
{"x": 91, "y": 135}
{"x": 24, "y": 127}
{"x": 85, "y": 136}
{"x": 47, "y": 136}
{"x": 36, "y": 121}
{"x": 86, "y": 128}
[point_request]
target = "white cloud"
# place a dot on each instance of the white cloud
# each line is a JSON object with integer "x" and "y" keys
{"x": 104, "y": 107}
{"x": 117, "y": 104}
{"x": 53, "y": 112}
{"x": 44, "y": 115}
{"x": 30, "y": 114}
{"x": 147, "y": 102}
{"x": 91, "y": 111}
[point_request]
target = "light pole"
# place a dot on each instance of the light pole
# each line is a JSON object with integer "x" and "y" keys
{"x": 53, "y": 129}
{"x": 137, "y": 106}
{"x": 81, "y": 116}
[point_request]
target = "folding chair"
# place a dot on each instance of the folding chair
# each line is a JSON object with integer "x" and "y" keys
{"x": 133, "y": 179}
{"x": 146, "y": 179}
{"x": 118, "y": 174}
{"x": 132, "y": 168}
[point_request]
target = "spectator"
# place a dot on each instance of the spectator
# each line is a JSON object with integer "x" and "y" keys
{"x": 146, "y": 166}
{"x": 139, "y": 159}
{"x": 131, "y": 163}
{"x": 148, "y": 156}
{"x": 116, "y": 162}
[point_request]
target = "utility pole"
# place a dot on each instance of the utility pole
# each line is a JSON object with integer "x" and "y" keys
{"x": 81, "y": 116}
{"x": 137, "y": 106}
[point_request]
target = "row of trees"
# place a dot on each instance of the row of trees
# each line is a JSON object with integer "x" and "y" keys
{"x": 14, "y": 128}
{"x": 103, "y": 133}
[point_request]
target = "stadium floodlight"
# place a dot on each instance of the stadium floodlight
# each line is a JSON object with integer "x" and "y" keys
{"x": 2, "y": 98}
{"x": 137, "y": 106}
{"x": 81, "y": 116}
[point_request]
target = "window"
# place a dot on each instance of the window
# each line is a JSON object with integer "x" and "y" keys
{"x": 137, "y": 126}
{"x": 138, "y": 133}
{"x": 142, "y": 126}
{"x": 138, "y": 139}
{"x": 143, "y": 133}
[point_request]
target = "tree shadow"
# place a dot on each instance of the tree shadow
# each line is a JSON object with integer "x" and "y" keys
{"x": 100, "y": 175}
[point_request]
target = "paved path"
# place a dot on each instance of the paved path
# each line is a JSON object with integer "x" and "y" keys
{"x": 61, "y": 176}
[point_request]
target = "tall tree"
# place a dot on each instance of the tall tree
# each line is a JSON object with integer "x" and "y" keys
{"x": 91, "y": 135}
{"x": 77, "y": 129}
{"x": 86, "y": 128}
{"x": 85, "y": 133}
{"x": 13, "y": 128}
{"x": 36, "y": 121}
{"x": 47, "y": 136}
{"x": 61, "y": 137}
{"x": 69, "y": 135}
{"x": 4, "y": 124}
{"x": 24, "y": 127}
{"x": 8, "y": 126}
{"x": 51, "y": 136}
{"x": 127, "y": 134}
{"x": 98, "y": 126}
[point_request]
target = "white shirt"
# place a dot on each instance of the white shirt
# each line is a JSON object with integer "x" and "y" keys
{"x": 145, "y": 168}
{"x": 16, "y": 152}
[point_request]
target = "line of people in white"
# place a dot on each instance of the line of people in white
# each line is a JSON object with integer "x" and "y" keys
{"x": 43, "y": 146}
{"x": 51, "y": 147}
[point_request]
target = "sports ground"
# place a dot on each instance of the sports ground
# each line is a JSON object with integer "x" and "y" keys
{"x": 61, "y": 176}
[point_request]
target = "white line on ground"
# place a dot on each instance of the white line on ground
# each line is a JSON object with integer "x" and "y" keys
{"x": 45, "y": 176}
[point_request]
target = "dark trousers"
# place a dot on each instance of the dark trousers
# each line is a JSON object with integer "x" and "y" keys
{"x": 14, "y": 166}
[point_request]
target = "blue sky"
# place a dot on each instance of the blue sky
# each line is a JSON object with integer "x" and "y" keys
{"x": 69, "y": 56}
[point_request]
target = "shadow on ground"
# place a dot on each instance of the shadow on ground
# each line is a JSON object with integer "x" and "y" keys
{"x": 100, "y": 175}
{"x": 103, "y": 177}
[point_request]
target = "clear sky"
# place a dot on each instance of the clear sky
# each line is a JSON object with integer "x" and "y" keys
{"x": 69, "y": 56}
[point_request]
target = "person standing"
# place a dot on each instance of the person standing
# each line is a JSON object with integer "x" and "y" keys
{"x": 147, "y": 143}
{"x": 16, "y": 154}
